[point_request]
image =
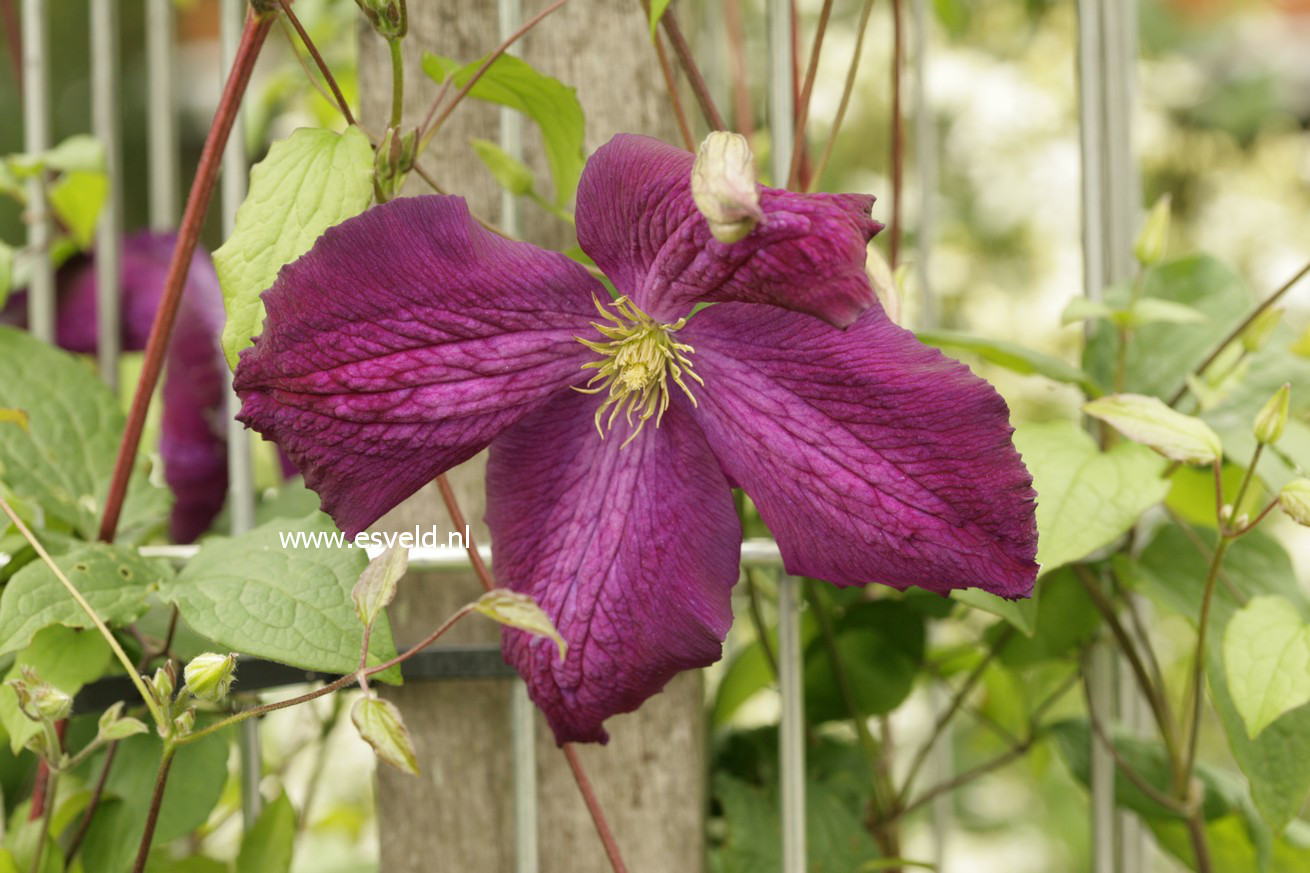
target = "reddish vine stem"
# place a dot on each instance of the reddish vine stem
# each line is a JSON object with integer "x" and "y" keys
{"x": 156, "y": 804}
{"x": 202, "y": 190}
{"x": 593, "y": 807}
{"x": 674, "y": 100}
{"x": 96, "y": 794}
{"x": 461, "y": 523}
{"x": 898, "y": 130}
{"x": 693, "y": 73}
{"x": 318, "y": 60}
{"x": 803, "y": 103}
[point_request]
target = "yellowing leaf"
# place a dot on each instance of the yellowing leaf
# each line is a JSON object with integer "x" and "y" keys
{"x": 1147, "y": 420}
{"x": 381, "y": 726}
{"x": 519, "y": 611}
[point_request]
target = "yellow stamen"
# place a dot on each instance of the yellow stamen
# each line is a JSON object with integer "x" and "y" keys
{"x": 637, "y": 359}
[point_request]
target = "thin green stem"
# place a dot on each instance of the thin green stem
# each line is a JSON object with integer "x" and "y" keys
{"x": 1196, "y": 686}
{"x": 757, "y": 621}
{"x": 1155, "y": 697}
{"x": 1237, "y": 332}
{"x": 957, "y": 701}
{"x": 318, "y": 59}
{"x": 52, "y": 783}
{"x": 99, "y": 623}
{"x": 397, "y": 84}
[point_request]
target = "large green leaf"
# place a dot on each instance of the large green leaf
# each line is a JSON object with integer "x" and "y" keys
{"x": 63, "y": 460}
{"x": 308, "y": 182}
{"x": 1266, "y": 656}
{"x": 553, "y": 105}
{"x": 266, "y": 848}
{"x": 880, "y": 645}
{"x": 65, "y": 658}
{"x": 253, "y": 595}
{"x": 113, "y": 579}
{"x": 1172, "y": 573}
{"x": 1086, "y": 498}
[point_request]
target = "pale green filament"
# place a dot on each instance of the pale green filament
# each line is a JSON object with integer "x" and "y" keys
{"x": 636, "y": 362}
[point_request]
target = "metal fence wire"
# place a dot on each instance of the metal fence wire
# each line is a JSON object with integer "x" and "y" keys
{"x": 1106, "y": 52}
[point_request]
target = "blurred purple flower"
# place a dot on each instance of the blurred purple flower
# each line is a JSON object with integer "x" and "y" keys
{"x": 410, "y": 338}
{"x": 194, "y": 440}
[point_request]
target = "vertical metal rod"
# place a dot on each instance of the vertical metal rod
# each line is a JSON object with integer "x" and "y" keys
{"x": 109, "y": 232}
{"x": 162, "y": 128}
{"x": 36, "y": 139}
{"x": 791, "y": 728}
{"x": 522, "y": 712}
{"x": 240, "y": 467}
{"x": 925, "y": 162}
{"x": 240, "y": 474}
{"x": 1107, "y": 54}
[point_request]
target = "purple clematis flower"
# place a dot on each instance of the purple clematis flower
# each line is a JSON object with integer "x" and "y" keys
{"x": 193, "y": 442}
{"x": 409, "y": 339}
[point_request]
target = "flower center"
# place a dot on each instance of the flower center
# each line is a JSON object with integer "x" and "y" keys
{"x": 637, "y": 358}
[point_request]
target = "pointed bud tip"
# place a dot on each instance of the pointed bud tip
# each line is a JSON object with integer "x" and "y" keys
{"x": 1294, "y": 500}
{"x": 723, "y": 186}
{"x": 1150, "y": 246}
{"x": 1272, "y": 418}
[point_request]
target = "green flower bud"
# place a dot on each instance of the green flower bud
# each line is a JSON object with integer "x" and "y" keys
{"x": 1150, "y": 245}
{"x": 164, "y": 682}
{"x": 388, "y": 17}
{"x": 209, "y": 676}
{"x": 1258, "y": 332}
{"x": 723, "y": 186}
{"x": 39, "y": 700}
{"x": 183, "y": 724}
{"x": 1272, "y": 418}
{"x": 381, "y": 726}
{"x": 1294, "y": 500}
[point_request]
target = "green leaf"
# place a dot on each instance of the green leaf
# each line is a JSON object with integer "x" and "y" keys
{"x": 1085, "y": 309}
{"x": 880, "y": 645}
{"x": 380, "y": 724}
{"x": 519, "y": 611}
{"x": 6, "y": 272}
{"x": 1147, "y": 420}
{"x": 1012, "y": 357}
{"x": 65, "y": 459}
{"x": 267, "y": 848}
{"x": 511, "y": 174}
{"x": 747, "y": 673}
{"x": 376, "y": 587}
{"x": 309, "y": 182}
{"x": 1172, "y": 573}
{"x": 657, "y": 9}
{"x": 78, "y": 153}
{"x": 195, "y": 786}
{"x": 1152, "y": 310}
{"x": 77, "y": 199}
{"x": 554, "y": 107}
{"x": 1267, "y": 661}
{"x": 1086, "y": 498}
{"x": 64, "y": 658}
{"x": 113, "y": 579}
{"x": 251, "y": 594}
{"x": 1066, "y": 619}
{"x": 1020, "y": 613}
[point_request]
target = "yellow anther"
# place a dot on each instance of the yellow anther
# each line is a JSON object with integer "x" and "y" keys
{"x": 637, "y": 358}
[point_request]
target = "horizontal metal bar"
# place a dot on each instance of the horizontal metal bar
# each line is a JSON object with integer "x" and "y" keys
{"x": 754, "y": 553}
{"x": 462, "y": 661}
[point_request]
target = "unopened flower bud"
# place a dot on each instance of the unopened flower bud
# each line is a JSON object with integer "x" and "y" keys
{"x": 209, "y": 676}
{"x": 1272, "y": 418}
{"x": 1150, "y": 245}
{"x": 164, "y": 682}
{"x": 1257, "y": 333}
{"x": 381, "y": 726}
{"x": 38, "y": 699}
{"x": 1294, "y": 500}
{"x": 723, "y": 186}
{"x": 1226, "y": 513}
{"x": 183, "y": 724}
{"x": 388, "y": 17}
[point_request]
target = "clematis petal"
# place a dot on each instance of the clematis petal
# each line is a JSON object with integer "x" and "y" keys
{"x": 871, "y": 457}
{"x": 638, "y": 222}
{"x": 632, "y": 552}
{"x": 402, "y": 343}
{"x": 193, "y": 442}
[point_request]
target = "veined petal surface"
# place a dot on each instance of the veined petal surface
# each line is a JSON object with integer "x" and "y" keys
{"x": 638, "y": 222}
{"x": 632, "y": 551}
{"x": 871, "y": 457}
{"x": 403, "y": 343}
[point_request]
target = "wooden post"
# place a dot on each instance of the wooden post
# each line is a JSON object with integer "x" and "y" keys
{"x": 458, "y": 815}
